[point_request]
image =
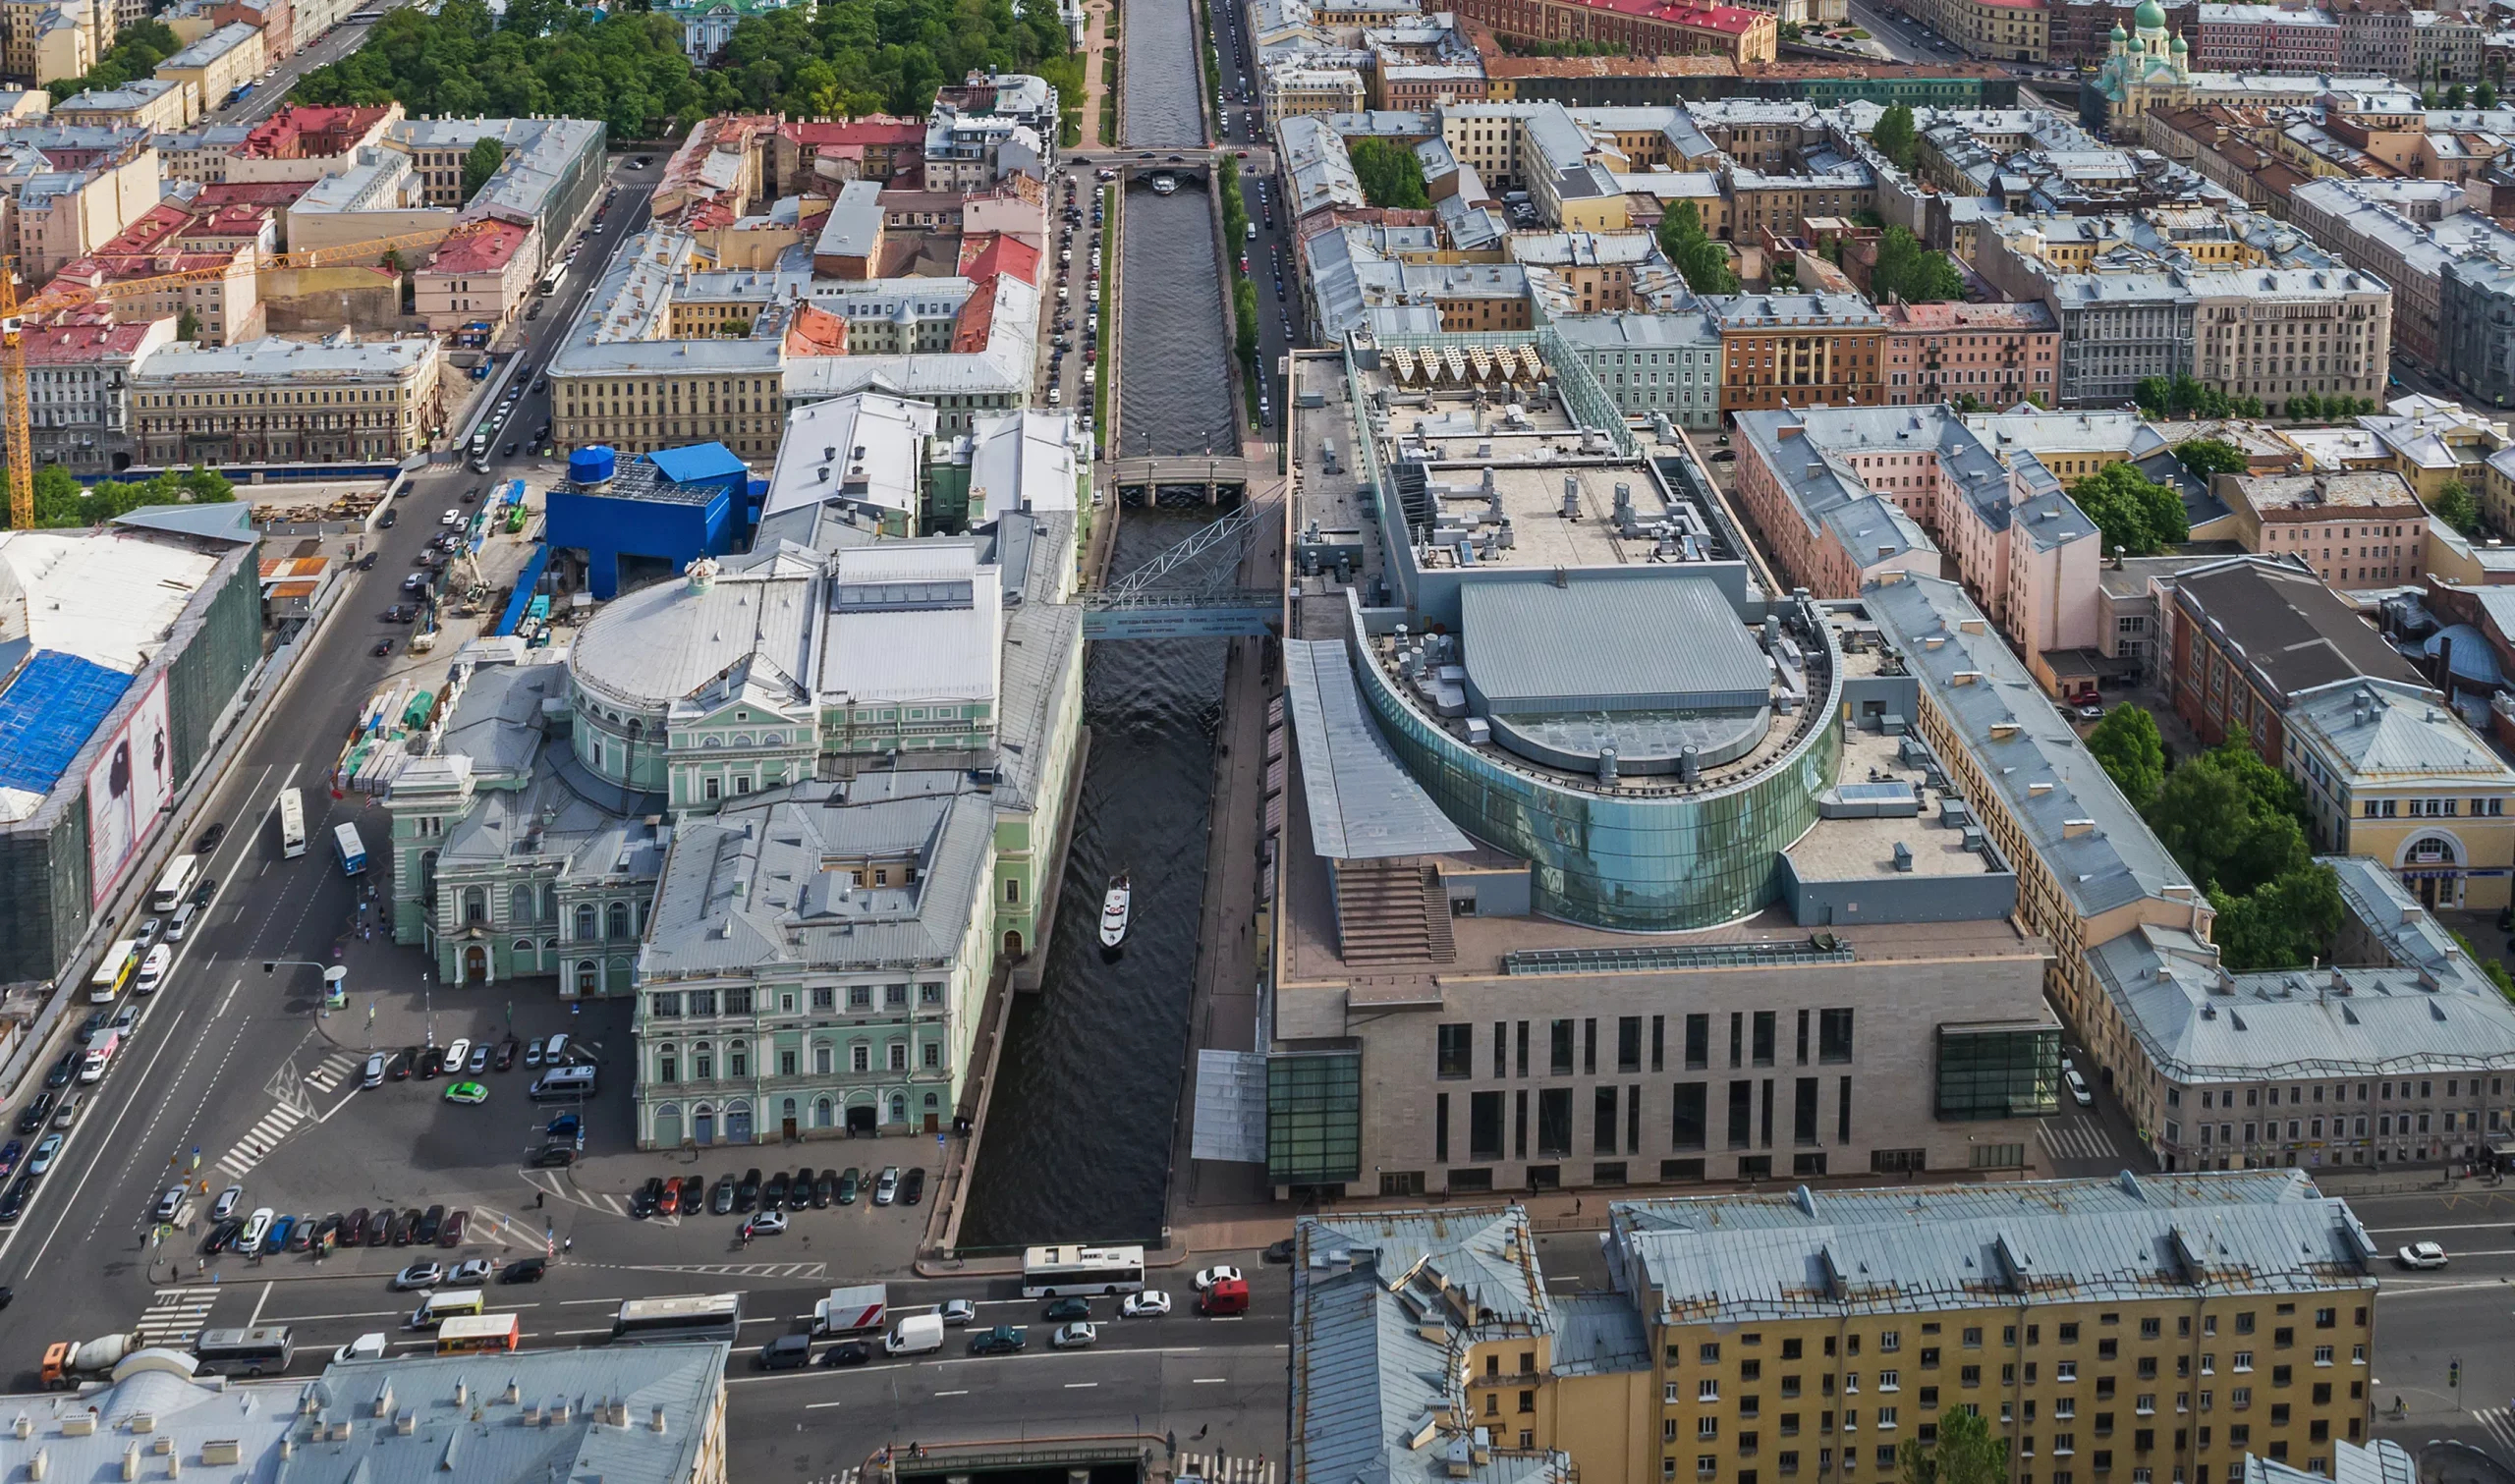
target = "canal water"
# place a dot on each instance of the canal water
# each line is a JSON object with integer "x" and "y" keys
{"x": 1077, "y": 1136}
{"x": 1164, "y": 103}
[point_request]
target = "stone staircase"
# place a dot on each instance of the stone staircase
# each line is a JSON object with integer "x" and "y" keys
{"x": 1392, "y": 912}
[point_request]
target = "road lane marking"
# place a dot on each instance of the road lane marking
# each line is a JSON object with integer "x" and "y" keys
{"x": 813, "y": 1407}
{"x": 1081, "y": 1386}
{"x": 1208, "y": 1381}
{"x": 951, "y": 1394}
{"x": 2470, "y": 1225}
{"x": 258, "y": 1303}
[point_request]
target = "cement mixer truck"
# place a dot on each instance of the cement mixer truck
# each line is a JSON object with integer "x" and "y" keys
{"x": 69, "y": 1362}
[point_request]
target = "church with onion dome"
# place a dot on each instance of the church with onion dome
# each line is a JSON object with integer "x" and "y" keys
{"x": 2144, "y": 70}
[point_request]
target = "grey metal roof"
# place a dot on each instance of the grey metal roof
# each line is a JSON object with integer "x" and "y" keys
{"x": 1904, "y": 1249}
{"x": 1384, "y": 1307}
{"x": 231, "y": 521}
{"x": 1628, "y": 643}
{"x": 747, "y": 890}
{"x": 1597, "y": 1334}
{"x": 2382, "y": 1461}
{"x": 653, "y": 646}
{"x": 1364, "y": 805}
{"x": 2427, "y": 1010}
{"x": 2098, "y": 847}
{"x": 2290, "y": 629}
{"x": 467, "y": 1423}
{"x": 2380, "y": 728}
{"x": 256, "y": 1415}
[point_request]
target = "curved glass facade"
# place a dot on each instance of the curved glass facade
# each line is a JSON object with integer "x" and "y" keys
{"x": 1631, "y": 863}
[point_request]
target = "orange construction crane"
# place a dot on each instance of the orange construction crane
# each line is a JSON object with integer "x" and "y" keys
{"x": 58, "y": 297}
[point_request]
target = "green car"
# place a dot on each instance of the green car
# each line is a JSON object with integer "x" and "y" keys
{"x": 849, "y": 1184}
{"x": 466, "y": 1092}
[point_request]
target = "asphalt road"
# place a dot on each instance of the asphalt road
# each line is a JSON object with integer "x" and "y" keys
{"x": 230, "y": 1068}
{"x": 270, "y": 91}
{"x": 2427, "y": 1321}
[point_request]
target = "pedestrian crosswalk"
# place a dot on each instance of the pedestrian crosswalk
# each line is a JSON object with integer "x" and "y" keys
{"x": 175, "y": 1315}
{"x": 259, "y": 1140}
{"x": 2076, "y": 1136}
{"x": 1226, "y": 1469}
{"x": 2501, "y": 1427}
{"x": 332, "y": 1070}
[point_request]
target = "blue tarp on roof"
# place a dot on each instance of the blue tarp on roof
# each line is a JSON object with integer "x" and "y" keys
{"x": 699, "y": 463}
{"x": 524, "y": 585}
{"x": 49, "y": 714}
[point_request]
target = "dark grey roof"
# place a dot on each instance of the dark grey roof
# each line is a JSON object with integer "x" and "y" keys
{"x": 2291, "y": 631}
{"x": 1652, "y": 641}
{"x": 1364, "y": 805}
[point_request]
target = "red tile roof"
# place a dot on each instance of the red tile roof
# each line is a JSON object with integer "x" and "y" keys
{"x": 875, "y": 128}
{"x": 74, "y": 344}
{"x": 483, "y": 245}
{"x": 278, "y": 195}
{"x": 989, "y": 253}
{"x": 971, "y": 327}
{"x": 815, "y": 332}
{"x": 297, "y": 134}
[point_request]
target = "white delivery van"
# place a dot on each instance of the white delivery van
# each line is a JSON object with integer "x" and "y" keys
{"x": 916, "y": 1334}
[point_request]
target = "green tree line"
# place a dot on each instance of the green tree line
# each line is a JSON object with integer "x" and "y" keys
{"x": 1391, "y": 174}
{"x": 62, "y": 503}
{"x": 847, "y": 58}
{"x": 136, "y": 53}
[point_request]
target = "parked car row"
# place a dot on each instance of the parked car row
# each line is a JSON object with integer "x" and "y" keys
{"x": 748, "y": 1194}
{"x": 269, "y": 1232}
{"x": 460, "y": 1056}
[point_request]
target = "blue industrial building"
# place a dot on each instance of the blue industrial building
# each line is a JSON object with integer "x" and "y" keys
{"x": 672, "y": 505}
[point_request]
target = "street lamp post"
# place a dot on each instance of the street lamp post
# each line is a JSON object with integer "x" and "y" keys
{"x": 335, "y": 981}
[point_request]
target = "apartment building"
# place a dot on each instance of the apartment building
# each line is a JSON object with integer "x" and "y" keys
{"x": 1779, "y": 203}
{"x": 2355, "y": 530}
{"x": 151, "y": 104}
{"x": 44, "y": 40}
{"x": 70, "y": 190}
{"x": 1997, "y": 355}
{"x": 78, "y": 388}
{"x": 2025, "y": 551}
{"x": 287, "y": 400}
{"x": 2251, "y": 634}
{"x": 2382, "y": 228}
{"x": 2265, "y": 39}
{"x": 1637, "y": 28}
{"x": 1798, "y": 350}
{"x": 484, "y": 271}
{"x": 2007, "y": 30}
{"x": 1713, "y": 1354}
{"x": 1653, "y": 363}
{"x": 216, "y": 65}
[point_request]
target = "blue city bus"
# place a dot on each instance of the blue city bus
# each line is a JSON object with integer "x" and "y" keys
{"x": 352, "y": 850}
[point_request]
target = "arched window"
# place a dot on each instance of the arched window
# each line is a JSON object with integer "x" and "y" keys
{"x": 550, "y": 946}
{"x": 616, "y": 920}
{"x": 899, "y": 1107}
{"x": 427, "y": 877}
{"x": 702, "y": 1062}
{"x": 520, "y": 905}
{"x": 523, "y": 952}
{"x": 549, "y": 905}
{"x": 585, "y": 919}
{"x": 475, "y": 906}
{"x": 823, "y": 1115}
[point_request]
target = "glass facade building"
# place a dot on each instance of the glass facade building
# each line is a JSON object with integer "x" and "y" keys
{"x": 1650, "y": 860}
{"x": 1998, "y": 1071}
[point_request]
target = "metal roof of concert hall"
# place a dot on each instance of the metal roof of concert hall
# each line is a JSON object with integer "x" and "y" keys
{"x": 1364, "y": 805}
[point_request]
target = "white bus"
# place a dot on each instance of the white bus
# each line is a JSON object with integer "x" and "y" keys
{"x": 688, "y": 1316}
{"x": 181, "y": 873}
{"x": 292, "y": 824}
{"x": 1050, "y": 1272}
{"x": 550, "y": 280}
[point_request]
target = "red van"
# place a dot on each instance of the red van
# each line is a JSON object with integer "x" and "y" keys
{"x": 1230, "y": 1295}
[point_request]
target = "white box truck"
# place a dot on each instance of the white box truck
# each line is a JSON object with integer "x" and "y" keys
{"x": 914, "y": 1335}
{"x": 857, "y": 1311}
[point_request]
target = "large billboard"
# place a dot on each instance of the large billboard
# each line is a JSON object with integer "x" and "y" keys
{"x": 130, "y": 782}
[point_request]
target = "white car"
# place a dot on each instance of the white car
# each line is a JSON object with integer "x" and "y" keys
{"x": 1207, "y": 1278}
{"x": 152, "y": 970}
{"x": 2421, "y": 1254}
{"x": 367, "y": 1346}
{"x": 1151, "y": 1303}
{"x": 418, "y": 1275}
{"x": 91, "y": 1067}
{"x": 1073, "y": 1337}
{"x": 228, "y": 1200}
{"x": 959, "y": 1311}
{"x": 476, "y": 1270}
{"x": 373, "y": 1075}
{"x": 768, "y": 1223}
{"x": 450, "y": 518}
{"x": 2079, "y": 1093}
{"x": 454, "y": 1054}
{"x": 256, "y": 1227}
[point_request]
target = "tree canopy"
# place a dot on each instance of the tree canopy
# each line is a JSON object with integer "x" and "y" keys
{"x": 2210, "y": 456}
{"x": 1909, "y": 271}
{"x": 61, "y": 503}
{"x": 2455, "y": 507}
{"x": 2237, "y": 825}
{"x": 1391, "y": 174}
{"x": 847, "y": 57}
{"x": 1700, "y": 261}
{"x": 2127, "y": 743}
{"x": 480, "y": 163}
{"x": 136, "y": 53}
{"x": 2183, "y": 397}
{"x": 1967, "y": 1452}
{"x": 2134, "y": 512}
{"x": 1895, "y": 137}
